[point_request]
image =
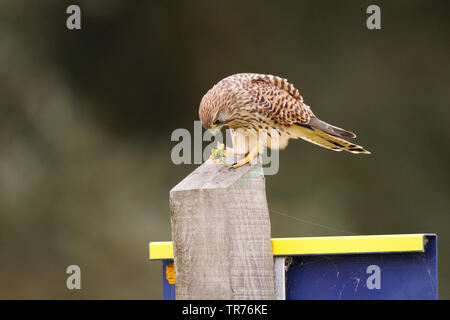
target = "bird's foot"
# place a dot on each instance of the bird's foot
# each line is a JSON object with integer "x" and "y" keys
{"x": 248, "y": 159}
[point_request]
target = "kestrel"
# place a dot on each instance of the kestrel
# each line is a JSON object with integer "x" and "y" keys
{"x": 255, "y": 103}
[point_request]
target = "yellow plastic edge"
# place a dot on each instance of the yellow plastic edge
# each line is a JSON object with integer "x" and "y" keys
{"x": 161, "y": 250}
{"x": 348, "y": 244}
{"x": 322, "y": 245}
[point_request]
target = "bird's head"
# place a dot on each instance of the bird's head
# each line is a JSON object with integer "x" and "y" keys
{"x": 216, "y": 109}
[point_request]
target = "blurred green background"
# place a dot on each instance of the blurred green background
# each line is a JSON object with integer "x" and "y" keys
{"x": 86, "y": 118}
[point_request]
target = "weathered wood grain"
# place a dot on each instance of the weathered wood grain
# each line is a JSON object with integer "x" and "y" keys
{"x": 221, "y": 234}
{"x": 280, "y": 277}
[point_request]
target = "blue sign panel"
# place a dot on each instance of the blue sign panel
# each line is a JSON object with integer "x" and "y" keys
{"x": 406, "y": 275}
{"x": 352, "y": 276}
{"x": 168, "y": 289}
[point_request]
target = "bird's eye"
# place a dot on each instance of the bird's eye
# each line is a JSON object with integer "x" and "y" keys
{"x": 216, "y": 122}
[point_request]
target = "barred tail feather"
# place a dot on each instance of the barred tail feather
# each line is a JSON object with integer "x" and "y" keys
{"x": 341, "y": 143}
{"x": 328, "y": 141}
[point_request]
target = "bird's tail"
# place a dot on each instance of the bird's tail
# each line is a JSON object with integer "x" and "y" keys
{"x": 328, "y": 141}
{"x": 330, "y": 129}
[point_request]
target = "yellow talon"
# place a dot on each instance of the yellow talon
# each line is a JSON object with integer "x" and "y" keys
{"x": 249, "y": 158}
{"x": 241, "y": 162}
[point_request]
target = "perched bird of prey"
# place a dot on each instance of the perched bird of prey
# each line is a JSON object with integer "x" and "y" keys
{"x": 252, "y": 103}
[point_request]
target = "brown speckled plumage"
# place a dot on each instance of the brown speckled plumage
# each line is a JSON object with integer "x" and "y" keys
{"x": 255, "y": 102}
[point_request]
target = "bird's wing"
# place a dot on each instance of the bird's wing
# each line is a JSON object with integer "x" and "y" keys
{"x": 279, "y": 100}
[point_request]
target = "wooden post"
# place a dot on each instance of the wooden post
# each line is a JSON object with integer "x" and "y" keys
{"x": 221, "y": 234}
{"x": 280, "y": 277}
